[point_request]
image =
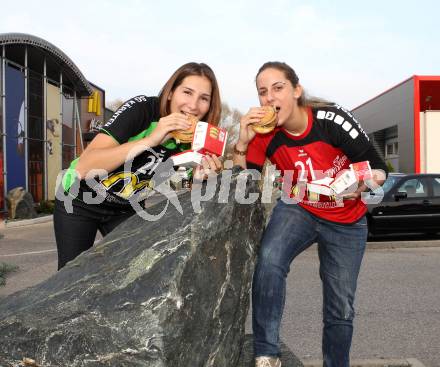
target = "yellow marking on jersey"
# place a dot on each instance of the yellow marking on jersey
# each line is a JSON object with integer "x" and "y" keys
{"x": 295, "y": 190}
{"x": 130, "y": 188}
{"x": 313, "y": 196}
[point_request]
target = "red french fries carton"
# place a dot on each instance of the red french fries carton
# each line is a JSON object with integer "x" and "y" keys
{"x": 344, "y": 180}
{"x": 358, "y": 171}
{"x": 209, "y": 139}
{"x": 362, "y": 170}
{"x": 321, "y": 186}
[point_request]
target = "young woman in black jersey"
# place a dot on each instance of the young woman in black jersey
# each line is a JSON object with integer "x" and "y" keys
{"x": 138, "y": 132}
{"x": 313, "y": 139}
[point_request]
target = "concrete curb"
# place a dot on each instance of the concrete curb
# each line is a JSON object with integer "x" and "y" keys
{"x": 375, "y": 362}
{"x": 389, "y": 245}
{"x": 373, "y": 245}
{"x": 402, "y": 244}
{"x": 48, "y": 218}
{"x": 26, "y": 222}
{"x": 415, "y": 362}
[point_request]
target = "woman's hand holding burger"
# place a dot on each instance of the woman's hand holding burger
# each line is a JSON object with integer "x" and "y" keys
{"x": 261, "y": 120}
{"x": 186, "y": 135}
{"x": 254, "y": 115}
{"x": 167, "y": 124}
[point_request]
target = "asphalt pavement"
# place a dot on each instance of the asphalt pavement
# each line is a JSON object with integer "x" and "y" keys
{"x": 398, "y": 301}
{"x": 398, "y": 306}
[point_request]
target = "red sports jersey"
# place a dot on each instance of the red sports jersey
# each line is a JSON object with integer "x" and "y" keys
{"x": 332, "y": 140}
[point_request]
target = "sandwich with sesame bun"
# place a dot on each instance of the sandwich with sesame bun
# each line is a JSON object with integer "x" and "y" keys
{"x": 186, "y": 136}
{"x": 268, "y": 122}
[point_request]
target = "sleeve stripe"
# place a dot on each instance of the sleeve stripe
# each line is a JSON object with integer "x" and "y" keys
{"x": 108, "y": 133}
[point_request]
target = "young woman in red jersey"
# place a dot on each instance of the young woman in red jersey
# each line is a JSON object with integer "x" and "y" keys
{"x": 312, "y": 139}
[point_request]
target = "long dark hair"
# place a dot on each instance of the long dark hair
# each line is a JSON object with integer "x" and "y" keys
{"x": 289, "y": 73}
{"x": 192, "y": 68}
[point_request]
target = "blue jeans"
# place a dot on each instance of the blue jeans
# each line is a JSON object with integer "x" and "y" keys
{"x": 290, "y": 231}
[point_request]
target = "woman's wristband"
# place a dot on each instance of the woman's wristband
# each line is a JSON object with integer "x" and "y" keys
{"x": 239, "y": 152}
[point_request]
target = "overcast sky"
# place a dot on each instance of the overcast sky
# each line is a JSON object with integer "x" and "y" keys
{"x": 345, "y": 51}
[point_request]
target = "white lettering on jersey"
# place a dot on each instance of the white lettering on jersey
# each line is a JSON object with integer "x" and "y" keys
{"x": 354, "y": 133}
{"x": 320, "y": 115}
{"x": 355, "y": 121}
{"x": 124, "y": 107}
{"x": 330, "y": 115}
{"x": 154, "y": 161}
{"x": 347, "y": 126}
{"x": 337, "y": 165}
{"x": 140, "y": 99}
{"x": 339, "y": 120}
{"x": 303, "y": 172}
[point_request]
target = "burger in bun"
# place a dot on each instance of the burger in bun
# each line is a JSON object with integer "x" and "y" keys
{"x": 186, "y": 136}
{"x": 267, "y": 122}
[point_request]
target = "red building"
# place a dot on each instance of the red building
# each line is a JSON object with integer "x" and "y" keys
{"x": 404, "y": 124}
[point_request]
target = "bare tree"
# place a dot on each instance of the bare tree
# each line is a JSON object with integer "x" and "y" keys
{"x": 114, "y": 104}
{"x": 230, "y": 120}
{"x": 226, "y": 111}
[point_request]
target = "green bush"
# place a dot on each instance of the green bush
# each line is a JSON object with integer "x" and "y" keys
{"x": 45, "y": 207}
{"x": 4, "y": 270}
{"x": 390, "y": 167}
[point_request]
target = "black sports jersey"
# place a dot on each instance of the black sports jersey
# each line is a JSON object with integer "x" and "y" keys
{"x": 332, "y": 140}
{"x": 133, "y": 117}
{"x": 134, "y": 120}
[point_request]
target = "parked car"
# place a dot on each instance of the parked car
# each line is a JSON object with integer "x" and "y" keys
{"x": 410, "y": 203}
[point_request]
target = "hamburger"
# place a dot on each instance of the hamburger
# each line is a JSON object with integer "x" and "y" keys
{"x": 268, "y": 122}
{"x": 186, "y": 136}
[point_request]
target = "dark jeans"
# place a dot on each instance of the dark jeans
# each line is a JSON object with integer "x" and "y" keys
{"x": 75, "y": 232}
{"x": 290, "y": 231}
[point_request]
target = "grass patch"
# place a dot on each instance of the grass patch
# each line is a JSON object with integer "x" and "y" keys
{"x": 4, "y": 270}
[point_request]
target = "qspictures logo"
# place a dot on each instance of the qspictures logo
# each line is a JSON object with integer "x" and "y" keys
{"x": 206, "y": 191}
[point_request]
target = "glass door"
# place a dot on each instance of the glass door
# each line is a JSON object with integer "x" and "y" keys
{"x": 36, "y": 136}
{"x": 53, "y": 137}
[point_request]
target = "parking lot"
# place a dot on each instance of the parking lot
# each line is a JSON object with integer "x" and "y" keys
{"x": 398, "y": 303}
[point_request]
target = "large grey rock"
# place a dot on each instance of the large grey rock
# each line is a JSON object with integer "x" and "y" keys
{"x": 173, "y": 292}
{"x": 20, "y": 204}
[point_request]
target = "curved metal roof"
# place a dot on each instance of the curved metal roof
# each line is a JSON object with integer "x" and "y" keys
{"x": 68, "y": 67}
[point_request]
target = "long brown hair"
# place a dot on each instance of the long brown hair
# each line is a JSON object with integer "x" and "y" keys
{"x": 289, "y": 73}
{"x": 189, "y": 69}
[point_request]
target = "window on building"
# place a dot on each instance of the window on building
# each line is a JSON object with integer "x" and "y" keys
{"x": 391, "y": 149}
